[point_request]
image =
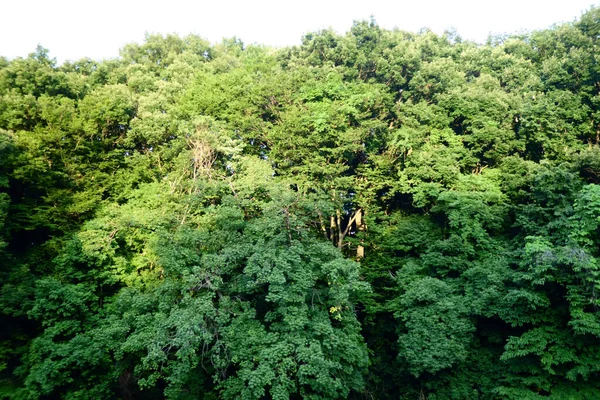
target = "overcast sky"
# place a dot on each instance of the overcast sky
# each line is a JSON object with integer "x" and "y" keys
{"x": 72, "y": 29}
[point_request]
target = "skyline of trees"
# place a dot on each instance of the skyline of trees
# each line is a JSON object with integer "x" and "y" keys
{"x": 379, "y": 214}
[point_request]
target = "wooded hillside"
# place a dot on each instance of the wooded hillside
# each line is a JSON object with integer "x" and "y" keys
{"x": 375, "y": 215}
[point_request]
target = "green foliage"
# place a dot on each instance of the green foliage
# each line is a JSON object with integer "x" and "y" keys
{"x": 379, "y": 214}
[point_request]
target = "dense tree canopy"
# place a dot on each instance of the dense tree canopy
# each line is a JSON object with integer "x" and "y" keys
{"x": 379, "y": 214}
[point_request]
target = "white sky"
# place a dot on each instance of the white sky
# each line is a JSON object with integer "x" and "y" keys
{"x": 72, "y": 29}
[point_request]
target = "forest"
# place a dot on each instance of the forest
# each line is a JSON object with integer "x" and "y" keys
{"x": 378, "y": 214}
